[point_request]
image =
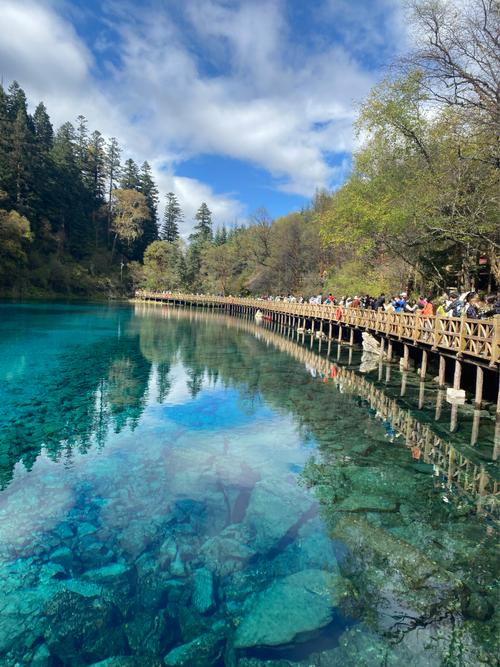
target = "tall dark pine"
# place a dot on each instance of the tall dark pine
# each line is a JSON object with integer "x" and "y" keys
{"x": 171, "y": 219}
{"x": 203, "y": 226}
{"x": 82, "y": 147}
{"x": 16, "y": 100}
{"x": 43, "y": 190}
{"x": 96, "y": 161}
{"x": 21, "y": 161}
{"x": 113, "y": 170}
{"x": 70, "y": 214}
{"x": 130, "y": 176}
{"x": 44, "y": 132}
{"x": 96, "y": 183}
{"x": 5, "y": 143}
{"x": 148, "y": 188}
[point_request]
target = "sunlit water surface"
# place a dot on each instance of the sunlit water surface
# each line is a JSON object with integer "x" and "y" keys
{"x": 178, "y": 490}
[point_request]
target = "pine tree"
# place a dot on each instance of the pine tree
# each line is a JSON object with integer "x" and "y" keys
{"x": 21, "y": 160}
{"x": 113, "y": 169}
{"x": 16, "y": 100}
{"x": 44, "y": 132}
{"x": 82, "y": 146}
{"x": 97, "y": 167}
{"x": 130, "y": 176}
{"x": 43, "y": 165}
{"x": 5, "y": 143}
{"x": 70, "y": 210}
{"x": 171, "y": 219}
{"x": 203, "y": 227}
{"x": 96, "y": 181}
{"x": 148, "y": 188}
{"x": 220, "y": 236}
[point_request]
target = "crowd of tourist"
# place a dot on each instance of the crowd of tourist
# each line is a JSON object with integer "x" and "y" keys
{"x": 450, "y": 304}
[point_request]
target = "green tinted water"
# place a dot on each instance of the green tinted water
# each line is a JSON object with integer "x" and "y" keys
{"x": 194, "y": 490}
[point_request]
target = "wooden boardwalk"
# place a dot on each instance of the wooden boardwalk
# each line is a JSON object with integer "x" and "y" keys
{"x": 474, "y": 341}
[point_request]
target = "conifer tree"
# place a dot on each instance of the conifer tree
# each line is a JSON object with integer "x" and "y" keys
{"x": 43, "y": 165}
{"x": 21, "y": 160}
{"x": 70, "y": 191}
{"x": 148, "y": 188}
{"x": 5, "y": 135}
{"x": 113, "y": 170}
{"x": 220, "y": 236}
{"x": 203, "y": 227}
{"x": 96, "y": 167}
{"x": 44, "y": 132}
{"x": 16, "y": 100}
{"x": 81, "y": 146}
{"x": 171, "y": 219}
{"x": 130, "y": 176}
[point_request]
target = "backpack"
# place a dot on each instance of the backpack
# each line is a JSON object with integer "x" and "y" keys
{"x": 456, "y": 308}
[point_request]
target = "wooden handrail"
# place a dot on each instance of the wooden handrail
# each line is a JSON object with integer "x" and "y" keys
{"x": 479, "y": 339}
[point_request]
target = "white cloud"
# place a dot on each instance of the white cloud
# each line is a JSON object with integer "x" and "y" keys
{"x": 226, "y": 78}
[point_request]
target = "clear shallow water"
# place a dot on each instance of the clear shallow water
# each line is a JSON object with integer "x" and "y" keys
{"x": 190, "y": 490}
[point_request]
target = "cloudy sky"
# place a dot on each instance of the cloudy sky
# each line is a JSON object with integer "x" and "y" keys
{"x": 239, "y": 103}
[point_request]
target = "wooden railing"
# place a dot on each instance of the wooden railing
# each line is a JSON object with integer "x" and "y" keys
{"x": 474, "y": 339}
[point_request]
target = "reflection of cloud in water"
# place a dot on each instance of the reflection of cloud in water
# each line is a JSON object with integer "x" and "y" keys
{"x": 30, "y": 508}
{"x": 178, "y": 392}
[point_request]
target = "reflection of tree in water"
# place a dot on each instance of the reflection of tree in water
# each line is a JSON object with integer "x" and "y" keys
{"x": 73, "y": 408}
{"x": 125, "y": 389}
{"x": 164, "y": 383}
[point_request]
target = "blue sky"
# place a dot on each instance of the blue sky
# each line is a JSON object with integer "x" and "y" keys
{"x": 240, "y": 103}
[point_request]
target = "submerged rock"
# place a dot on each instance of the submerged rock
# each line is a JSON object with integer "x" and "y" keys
{"x": 83, "y": 626}
{"x": 203, "y": 590}
{"x": 203, "y": 651}
{"x": 150, "y": 633}
{"x": 407, "y": 582}
{"x": 229, "y": 551}
{"x": 275, "y": 507}
{"x": 291, "y": 609}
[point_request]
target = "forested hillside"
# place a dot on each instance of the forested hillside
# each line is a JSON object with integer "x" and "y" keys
{"x": 62, "y": 196}
{"x": 420, "y": 208}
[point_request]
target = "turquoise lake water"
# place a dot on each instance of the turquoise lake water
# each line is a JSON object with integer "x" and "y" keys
{"x": 185, "y": 489}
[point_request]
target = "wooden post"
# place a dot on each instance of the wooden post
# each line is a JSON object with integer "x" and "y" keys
{"x": 423, "y": 366}
{"x": 387, "y": 373}
{"x": 439, "y": 404}
{"x": 382, "y": 346}
{"x": 475, "y": 427}
{"x": 458, "y": 374}
{"x": 389, "y": 350}
{"x": 330, "y": 328}
{"x": 406, "y": 353}
{"x": 442, "y": 371}
{"x": 421, "y": 395}
{"x": 454, "y": 418}
{"x": 351, "y": 337}
{"x": 312, "y": 333}
{"x": 340, "y": 334}
{"x": 404, "y": 379}
{"x": 479, "y": 388}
